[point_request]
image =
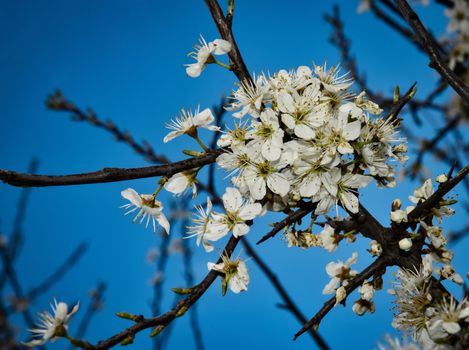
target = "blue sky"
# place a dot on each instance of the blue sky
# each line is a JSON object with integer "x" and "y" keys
{"x": 124, "y": 59}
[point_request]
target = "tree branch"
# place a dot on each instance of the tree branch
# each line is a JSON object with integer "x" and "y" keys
{"x": 375, "y": 267}
{"x": 436, "y": 61}
{"x": 107, "y": 174}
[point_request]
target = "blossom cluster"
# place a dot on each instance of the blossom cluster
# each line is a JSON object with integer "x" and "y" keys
{"x": 303, "y": 135}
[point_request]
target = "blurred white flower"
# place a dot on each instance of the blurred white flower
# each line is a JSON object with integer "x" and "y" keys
{"x": 52, "y": 326}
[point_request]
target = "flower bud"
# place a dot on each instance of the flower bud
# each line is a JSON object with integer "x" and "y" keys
{"x": 340, "y": 295}
{"x": 441, "y": 178}
{"x": 375, "y": 248}
{"x": 396, "y": 204}
{"x": 405, "y": 244}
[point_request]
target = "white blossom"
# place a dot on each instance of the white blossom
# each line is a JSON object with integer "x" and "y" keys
{"x": 149, "y": 207}
{"x": 188, "y": 123}
{"x": 375, "y": 248}
{"x": 339, "y": 273}
{"x": 203, "y": 55}
{"x": 327, "y": 238}
{"x": 180, "y": 182}
{"x": 445, "y": 318}
{"x": 235, "y": 274}
{"x": 237, "y": 212}
{"x": 201, "y": 224}
{"x": 51, "y": 326}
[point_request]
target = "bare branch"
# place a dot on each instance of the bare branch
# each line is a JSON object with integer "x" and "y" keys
{"x": 175, "y": 312}
{"x": 376, "y": 267}
{"x": 107, "y": 174}
{"x": 436, "y": 61}
{"x": 57, "y": 102}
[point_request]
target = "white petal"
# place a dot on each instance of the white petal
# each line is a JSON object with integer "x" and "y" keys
{"x": 352, "y": 130}
{"x": 278, "y": 184}
{"x": 305, "y": 132}
{"x": 331, "y": 286}
{"x": 177, "y": 183}
{"x": 203, "y": 118}
{"x": 250, "y": 211}
{"x": 221, "y": 46}
{"x": 232, "y": 199}
{"x": 350, "y": 201}
{"x": 285, "y": 103}
{"x": 161, "y": 218}
{"x": 131, "y": 195}
{"x": 310, "y": 186}
{"x": 451, "y": 327}
{"x": 270, "y": 151}
{"x": 257, "y": 187}
{"x": 240, "y": 230}
{"x": 194, "y": 70}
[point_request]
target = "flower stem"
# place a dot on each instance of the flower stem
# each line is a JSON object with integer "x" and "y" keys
{"x": 221, "y": 64}
{"x": 160, "y": 187}
{"x": 78, "y": 343}
{"x": 199, "y": 141}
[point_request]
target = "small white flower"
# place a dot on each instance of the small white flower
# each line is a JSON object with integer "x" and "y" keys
{"x": 201, "y": 222}
{"x": 448, "y": 272}
{"x": 262, "y": 175}
{"x": 149, "y": 207}
{"x": 445, "y": 318}
{"x": 331, "y": 79}
{"x": 340, "y": 273}
{"x": 375, "y": 248}
{"x": 327, "y": 239}
{"x": 203, "y": 55}
{"x": 267, "y": 136}
{"x": 180, "y": 182}
{"x": 235, "y": 274}
{"x": 366, "y": 291}
{"x": 405, "y": 244}
{"x": 187, "y": 123}
{"x": 361, "y": 306}
{"x": 52, "y": 326}
{"x": 441, "y": 178}
{"x": 249, "y": 97}
{"x": 398, "y": 216}
{"x": 237, "y": 212}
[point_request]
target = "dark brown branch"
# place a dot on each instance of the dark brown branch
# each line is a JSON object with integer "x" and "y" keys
{"x": 175, "y": 312}
{"x": 107, "y": 174}
{"x": 294, "y": 216}
{"x": 435, "y": 198}
{"x": 378, "y": 265}
{"x": 58, "y": 102}
{"x": 428, "y": 44}
{"x": 224, "y": 27}
{"x": 397, "y": 106}
{"x": 288, "y": 302}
